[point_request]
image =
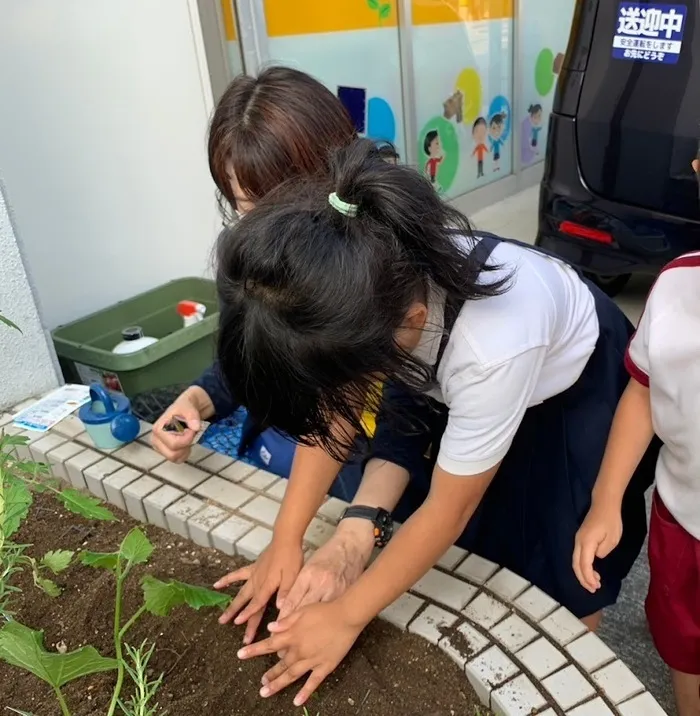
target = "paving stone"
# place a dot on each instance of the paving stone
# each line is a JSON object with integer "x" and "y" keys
{"x": 203, "y": 522}
{"x": 69, "y": 427}
{"x": 464, "y": 645}
{"x": 618, "y": 682}
{"x": 430, "y": 623}
{"x": 485, "y": 611}
{"x": 402, "y": 610}
{"x": 278, "y": 489}
{"x": 262, "y": 509}
{"x": 158, "y": 501}
{"x": 95, "y": 475}
{"x": 507, "y": 584}
{"x": 215, "y": 462}
{"x": 596, "y": 707}
{"x": 568, "y": 687}
{"x": 139, "y": 456}
{"x": 134, "y": 494}
{"x": 224, "y": 492}
{"x": 24, "y": 451}
{"x": 452, "y": 557}
{"x": 252, "y": 545}
{"x": 238, "y": 471}
{"x": 477, "y": 569}
{"x": 536, "y": 604}
{"x": 76, "y": 465}
{"x": 514, "y": 633}
{"x": 332, "y": 509}
{"x": 643, "y": 705}
{"x": 198, "y": 453}
{"x": 518, "y": 697}
{"x": 563, "y": 626}
{"x": 115, "y": 484}
{"x": 5, "y": 419}
{"x": 177, "y": 514}
{"x": 58, "y": 457}
{"x": 144, "y": 429}
{"x": 230, "y": 531}
{"x": 45, "y": 445}
{"x": 319, "y": 532}
{"x": 590, "y": 652}
{"x": 488, "y": 671}
{"x": 445, "y": 589}
{"x": 260, "y": 480}
{"x": 541, "y": 658}
{"x": 183, "y": 476}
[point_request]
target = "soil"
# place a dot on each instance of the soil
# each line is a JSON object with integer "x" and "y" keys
{"x": 388, "y": 673}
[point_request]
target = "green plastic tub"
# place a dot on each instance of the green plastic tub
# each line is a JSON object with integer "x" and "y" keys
{"x": 84, "y": 347}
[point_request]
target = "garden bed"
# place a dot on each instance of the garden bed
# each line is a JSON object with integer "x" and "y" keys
{"x": 388, "y": 673}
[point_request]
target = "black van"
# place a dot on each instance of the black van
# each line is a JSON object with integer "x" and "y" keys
{"x": 620, "y": 194}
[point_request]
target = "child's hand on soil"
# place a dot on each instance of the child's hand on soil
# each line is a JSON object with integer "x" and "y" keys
{"x": 275, "y": 571}
{"x": 312, "y": 639}
{"x": 331, "y": 570}
{"x": 597, "y": 537}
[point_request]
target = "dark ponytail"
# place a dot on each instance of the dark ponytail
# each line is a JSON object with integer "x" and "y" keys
{"x": 312, "y": 299}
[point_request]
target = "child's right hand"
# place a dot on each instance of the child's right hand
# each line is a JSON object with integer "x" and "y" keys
{"x": 597, "y": 537}
{"x": 189, "y": 408}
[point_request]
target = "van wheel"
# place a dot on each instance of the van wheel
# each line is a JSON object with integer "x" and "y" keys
{"x": 612, "y": 285}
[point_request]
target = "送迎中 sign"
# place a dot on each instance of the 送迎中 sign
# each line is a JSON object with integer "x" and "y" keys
{"x": 650, "y": 33}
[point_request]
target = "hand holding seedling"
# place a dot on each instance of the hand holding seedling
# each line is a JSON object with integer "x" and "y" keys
{"x": 313, "y": 639}
{"x": 275, "y": 571}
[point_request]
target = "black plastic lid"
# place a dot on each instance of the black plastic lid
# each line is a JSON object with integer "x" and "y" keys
{"x": 133, "y": 333}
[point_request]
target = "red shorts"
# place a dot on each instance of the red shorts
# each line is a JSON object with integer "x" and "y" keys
{"x": 673, "y": 602}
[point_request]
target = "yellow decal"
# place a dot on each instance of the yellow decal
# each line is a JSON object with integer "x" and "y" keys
{"x": 229, "y": 22}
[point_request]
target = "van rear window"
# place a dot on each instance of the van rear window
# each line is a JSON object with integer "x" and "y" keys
{"x": 638, "y": 124}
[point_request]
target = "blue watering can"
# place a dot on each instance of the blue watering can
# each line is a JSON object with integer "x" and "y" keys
{"x": 108, "y": 418}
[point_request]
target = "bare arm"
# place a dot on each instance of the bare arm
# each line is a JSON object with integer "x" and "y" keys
{"x": 416, "y": 547}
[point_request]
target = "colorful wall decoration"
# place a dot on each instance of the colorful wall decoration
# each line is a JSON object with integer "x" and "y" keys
{"x": 462, "y": 75}
{"x": 545, "y": 34}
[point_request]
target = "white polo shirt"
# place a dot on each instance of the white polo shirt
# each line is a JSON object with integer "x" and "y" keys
{"x": 507, "y": 353}
{"x": 664, "y": 355}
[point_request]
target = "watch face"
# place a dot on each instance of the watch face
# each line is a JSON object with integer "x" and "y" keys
{"x": 384, "y": 528}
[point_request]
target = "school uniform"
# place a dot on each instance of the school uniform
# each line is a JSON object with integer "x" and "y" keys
{"x": 664, "y": 355}
{"x": 529, "y": 379}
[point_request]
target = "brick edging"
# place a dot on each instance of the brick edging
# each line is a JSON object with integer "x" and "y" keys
{"x": 521, "y": 651}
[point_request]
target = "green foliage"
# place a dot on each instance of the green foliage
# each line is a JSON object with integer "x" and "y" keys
{"x": 57, "y": 560}
{"x": 160, "y": 598}
{"x": 100, "y": 560}
{"x": 145, "y": 689}
{"x": 6, "y": 321}
{"x": 17, "y": 501}
{"x": 24, "y": 647}
{"x": 136, "y": 547}
{"x": 84, "y": 505}
{"x": 383, "y": 9}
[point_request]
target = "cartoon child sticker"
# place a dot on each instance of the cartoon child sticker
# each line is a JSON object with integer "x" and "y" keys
{"x": 480, "y": 135}
{"x": 535, "y": 112}
{"x": 496, "y": 137}
{"x": 433, "y": 148}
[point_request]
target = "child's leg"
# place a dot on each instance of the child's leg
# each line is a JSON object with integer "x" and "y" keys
{"x": 686, "y": 688}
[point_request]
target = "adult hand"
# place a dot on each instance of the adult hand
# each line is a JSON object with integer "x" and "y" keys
{"x": 274, "y": 571}
{"x": 312, "y": 639}
{"x": 598, "y": 536}
{"x": 332, "y": 568}
{"x": 190, "y": 407}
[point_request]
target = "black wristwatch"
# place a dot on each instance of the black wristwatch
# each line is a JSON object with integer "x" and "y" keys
{"x": 381, "y": 519}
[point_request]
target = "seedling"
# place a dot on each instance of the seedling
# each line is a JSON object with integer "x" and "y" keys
{"x": 23, "y": 647}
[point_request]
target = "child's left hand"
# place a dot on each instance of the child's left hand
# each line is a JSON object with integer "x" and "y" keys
{"x": 313, "y": 639}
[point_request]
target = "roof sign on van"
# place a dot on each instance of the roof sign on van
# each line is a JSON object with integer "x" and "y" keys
{"x": 649, "y": 33}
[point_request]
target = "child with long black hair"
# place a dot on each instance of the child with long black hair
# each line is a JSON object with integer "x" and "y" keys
{"x": 502, "y": 358}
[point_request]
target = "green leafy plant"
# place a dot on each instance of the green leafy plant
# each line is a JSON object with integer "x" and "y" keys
{"x": 9, "y": 323}
{"x": 383, "y": 9}
{"x": 22, "y": 647}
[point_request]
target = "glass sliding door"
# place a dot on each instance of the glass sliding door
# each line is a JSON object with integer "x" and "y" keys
{"x": 233, "y": 48}
{"x": 543, "y": 35}
{"x": 352, "y": 46}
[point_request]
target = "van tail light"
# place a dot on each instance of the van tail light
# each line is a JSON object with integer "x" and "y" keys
{"x": 585, "y": 232}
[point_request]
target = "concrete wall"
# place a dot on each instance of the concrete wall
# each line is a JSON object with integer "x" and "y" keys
{"x": 26, "y": 358}
{"x": 103, "y": 147}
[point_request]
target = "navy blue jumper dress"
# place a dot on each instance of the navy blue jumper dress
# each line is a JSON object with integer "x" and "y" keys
{"x": 528, "y": 518}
